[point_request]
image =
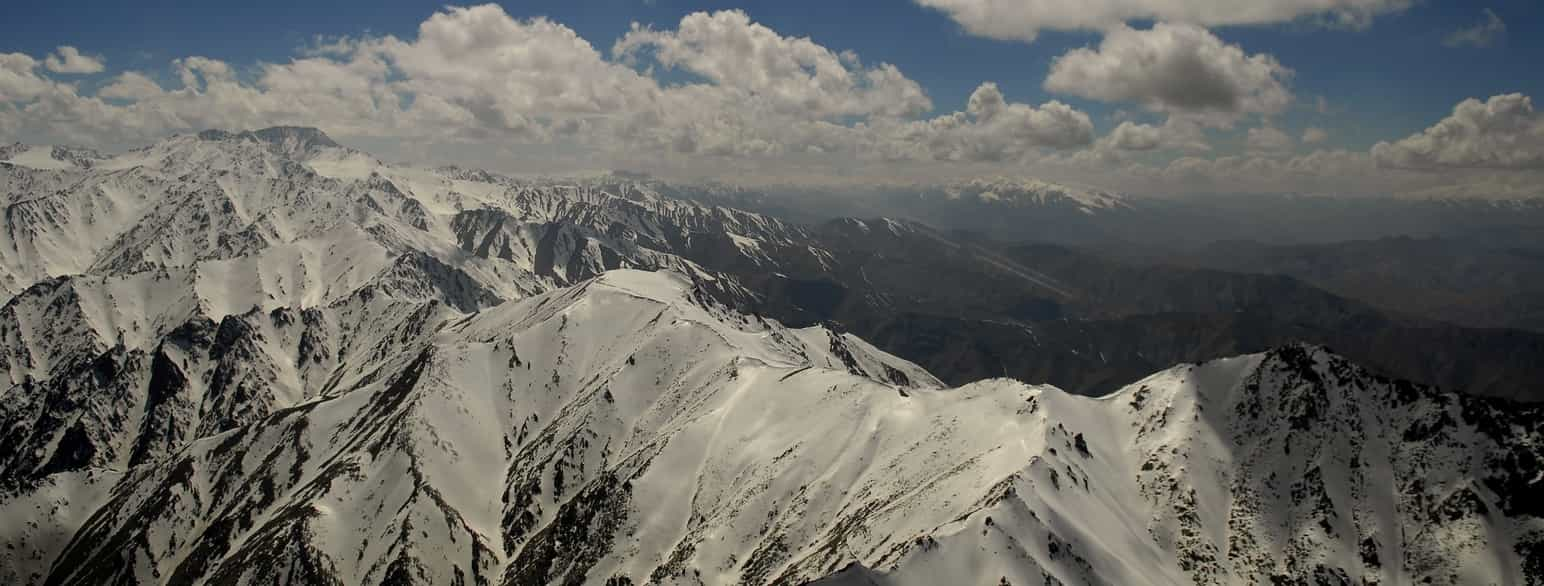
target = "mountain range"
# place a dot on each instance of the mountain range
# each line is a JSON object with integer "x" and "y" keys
{"x": 262, "y": 357}
{"x": 1014, "y": 210}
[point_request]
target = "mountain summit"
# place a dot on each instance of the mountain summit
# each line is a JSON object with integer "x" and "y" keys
{"x": 290, "y": 137}
{"x": 1021, "y": 192}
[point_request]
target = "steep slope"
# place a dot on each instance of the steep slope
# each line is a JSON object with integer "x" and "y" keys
{"x": 1297, "y": 467}
{"x": 631, "y": 430}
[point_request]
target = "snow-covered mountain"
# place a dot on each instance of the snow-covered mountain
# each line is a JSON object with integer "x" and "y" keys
{"x": 1030, "y": 192}
{"x": 629, "y": 427}
{"x": 262, "y": 357}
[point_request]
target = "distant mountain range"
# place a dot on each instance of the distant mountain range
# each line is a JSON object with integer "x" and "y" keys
{"x": 264, "y": 357}
{"x": 1476, "y": 282}
{"x": 1029, "y": 210}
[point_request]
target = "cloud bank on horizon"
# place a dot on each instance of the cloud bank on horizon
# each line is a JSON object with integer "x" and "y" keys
{"x": 723, "y": 96}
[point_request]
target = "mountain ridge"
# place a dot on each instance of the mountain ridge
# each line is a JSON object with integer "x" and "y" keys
{"x": 1149, "y": 443}
{"x": 276, "y": 231}
{"x": 245, "y": 354}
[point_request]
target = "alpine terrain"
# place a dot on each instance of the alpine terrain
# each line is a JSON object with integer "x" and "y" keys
{"x": 262, "y": 357}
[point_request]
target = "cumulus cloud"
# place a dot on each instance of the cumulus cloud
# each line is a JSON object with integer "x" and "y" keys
{"x": 789, "y": 74}
{"x": 720, "y": 95}
{"x": 1324, "y": 171}
{"x": 1267, "y": 139}
{"x": 1315, "y": 135}
{"x": 18, "y": 80}
{"x": 1503, "y": 132}
{"x": 1130, "y": 136}
{"x": 475, "y": 79}
{"x": 1483, "y": 34}
{"x": 67, "y": 59}
{"x": 1024, "y": 19}
{"x": 1321, "y": 172}
{"x": 506, "y": 73}
{"x": 990, "y": 129}
{"x": 1173, "y": 68}
{"x": 131, "y": 85}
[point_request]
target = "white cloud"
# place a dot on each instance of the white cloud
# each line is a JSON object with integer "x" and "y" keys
{"x": 1131, "y": 136}
{"x": 742, "y": 102}
{"x": 1178, "y": 69}
{"x": 68, "y": 59}
{"x": 1315, "y": 135}
{"x": 1267, "y": 139}
{"x": 1503, "y": 132}
{"x": 1185, "y": 134}
{"x": 131, "y": 85}
{"x": 1129, "y": 139}
{"x": 1483, "y": 34}
{"x": 787, "y": 74}
{"x": 990, "y": 129}
{"x": 1326, "y": 172}
{"x": 475, "y": 80}
{"x": 1024, "y": 19}
{"x": 503, "y": 70}
{"x": 18, "y": 81}
{"x": 1318, "y": 172}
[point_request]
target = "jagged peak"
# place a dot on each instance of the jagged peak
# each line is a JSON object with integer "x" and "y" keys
{"x": 665, "y": 286}
{"x": 470, "y": 174}
{"x": 853, "y": 222}
{"x": 296, "y": 142}
{"x": 307, "y": 135}
{"x": 49, "y": 157}
{"x": 1282, "y": 368}
{"x": 1309, "y": 348}
{"x": 1029, "y": 190}
{"x": 871, "y": 226}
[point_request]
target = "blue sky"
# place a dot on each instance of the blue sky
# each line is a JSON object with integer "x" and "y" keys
{"x": 1384, "y": 82}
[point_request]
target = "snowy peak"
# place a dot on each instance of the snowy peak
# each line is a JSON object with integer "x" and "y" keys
{"x": 1292, "y": 466}
{"x": 1298, "y": 463}
{"x": 48, "y": 158}
{"x": 682, "y": 300}
{"x": 294, "y": 135}
{"x": 1003, "y": 191}
{"x": 293, "y": 141}
{"x": 857, "y": 227}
